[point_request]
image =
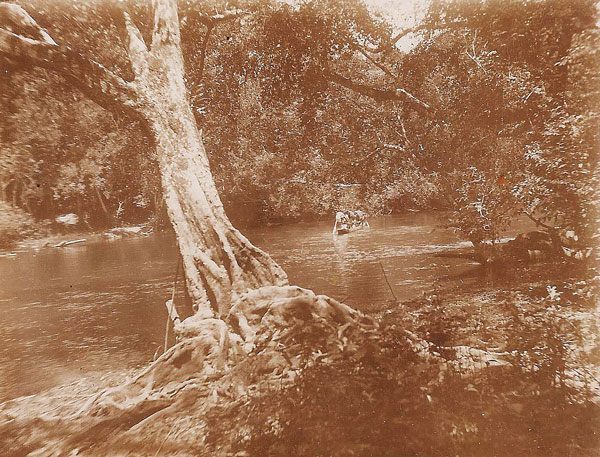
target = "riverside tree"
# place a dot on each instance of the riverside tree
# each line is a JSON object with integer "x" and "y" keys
{"x": 241, "y": 297}
{"x": 512, "y": 90}
{"x": 219, "y": 262}
{"x": 149, "y": 85}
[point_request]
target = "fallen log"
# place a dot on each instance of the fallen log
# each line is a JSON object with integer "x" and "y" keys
{"x": 68, "y": 243}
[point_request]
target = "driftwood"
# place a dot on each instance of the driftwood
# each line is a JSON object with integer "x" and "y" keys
{"x": 68, "y": 243}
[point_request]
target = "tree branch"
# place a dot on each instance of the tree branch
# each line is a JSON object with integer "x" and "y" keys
{"x": 539, "y": 223}
{"x": 390, "y": 44}
{"x": 209, "y": 29}
{"x": 379, "y": 65}
{"x": 16, "y": 20}
{"x": 404, "y": 130}
{"x": 413, "y": 98}
{"x": 94, "y": 80}
{"x": 138, "y": 52}
{"x": 380, "y": 95}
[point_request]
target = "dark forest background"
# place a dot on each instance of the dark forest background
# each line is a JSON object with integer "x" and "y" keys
{"x": 297, "y": 103}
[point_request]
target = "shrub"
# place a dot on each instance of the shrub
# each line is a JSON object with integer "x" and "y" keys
{"x": 15, "y": 224}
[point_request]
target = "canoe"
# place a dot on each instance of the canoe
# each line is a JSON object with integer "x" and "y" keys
{"x": 349, "y": 221}
{"x": 345, "y": 230}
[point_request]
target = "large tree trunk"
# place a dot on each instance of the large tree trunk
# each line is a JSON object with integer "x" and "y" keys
{"x": 219, "y": 262}
{"x": 240, "y": 295}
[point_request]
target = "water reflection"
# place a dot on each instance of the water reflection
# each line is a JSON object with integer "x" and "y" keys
{"x": 349, "y": 267}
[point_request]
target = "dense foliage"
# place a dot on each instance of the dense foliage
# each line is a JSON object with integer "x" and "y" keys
{"x": 295, "y": 100}
{"x": 505, "y": 137}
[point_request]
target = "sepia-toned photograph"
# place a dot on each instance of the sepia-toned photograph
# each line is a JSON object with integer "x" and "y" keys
{"x": 299, "y": 228}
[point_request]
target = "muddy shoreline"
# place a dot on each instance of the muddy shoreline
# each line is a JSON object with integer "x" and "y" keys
{"x": 64, "y": 240}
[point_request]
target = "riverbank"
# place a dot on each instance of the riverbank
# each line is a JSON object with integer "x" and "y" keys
{"x": 20, "y": 233}
{"x": 504, "y": 370}
{"x": 63, "y": 239}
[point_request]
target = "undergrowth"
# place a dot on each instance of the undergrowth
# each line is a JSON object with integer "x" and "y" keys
{"x": 398, "y": 401}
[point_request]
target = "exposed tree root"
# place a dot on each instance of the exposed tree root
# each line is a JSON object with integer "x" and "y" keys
{"x": 269, "y": 334}
{"x": 214, "y": 390}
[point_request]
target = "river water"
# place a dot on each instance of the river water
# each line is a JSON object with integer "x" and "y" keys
{"x": 96, "y": 307}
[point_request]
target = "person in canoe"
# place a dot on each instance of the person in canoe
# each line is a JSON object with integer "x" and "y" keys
{"x": 348, "y": 221}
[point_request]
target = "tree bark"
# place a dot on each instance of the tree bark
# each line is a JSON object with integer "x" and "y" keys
{"x": 380, "y": 95}
{"x": 239, "y": 293}
{"x": 219, "y": 262}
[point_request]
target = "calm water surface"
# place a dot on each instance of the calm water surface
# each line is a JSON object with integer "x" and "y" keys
{"x": 93, "y": 307}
